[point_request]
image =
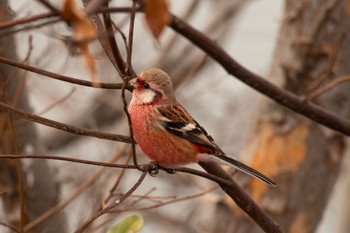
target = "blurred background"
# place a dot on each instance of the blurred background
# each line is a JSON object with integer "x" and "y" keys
{"x": 298, "y": 45}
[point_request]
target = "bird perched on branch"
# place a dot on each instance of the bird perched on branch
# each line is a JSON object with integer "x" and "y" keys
{"x": 166, "y": 132}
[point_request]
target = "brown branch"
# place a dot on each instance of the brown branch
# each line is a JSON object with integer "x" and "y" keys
{"x": 79, "y": 190}
{"x": 328, "y": 71}
{"x": 281, "y": 96}
{"x": 61, "y": 77}
{"x": 329, "y": 86}
{"x": 67, "y": 159}
{"x": 159, "y": 204}
{"x": 9, "y": 32}
{"x": 130, "y": 38}
{"x": 94, "y": 5}
{"x": 56, "y": 103}
{"x": 10, "y": 227}
{"x": 64, "y": 127}
{"x": 242, "y": 199}
{"x": 121, "y": 65}
{"x": 118, "y": 181}
{"x": 211, "y": 177}
{"x": 126, "y": 80}
{"x": 83, "y": 227}
{"x": 24, "y": 20}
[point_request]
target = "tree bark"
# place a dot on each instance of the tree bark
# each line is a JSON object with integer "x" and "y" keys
{"x": 303, "y": 157}
{"x": 29, "y": 185}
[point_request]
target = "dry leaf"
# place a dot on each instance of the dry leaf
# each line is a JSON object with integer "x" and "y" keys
{"x": 157, "y": 15}
{"x": 84, "y": 32}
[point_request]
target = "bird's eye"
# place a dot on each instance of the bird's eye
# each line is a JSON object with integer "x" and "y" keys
{"x": 145, "y": 85}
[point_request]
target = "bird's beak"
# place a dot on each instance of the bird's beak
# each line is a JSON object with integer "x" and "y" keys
{"x": 133, "y": 83}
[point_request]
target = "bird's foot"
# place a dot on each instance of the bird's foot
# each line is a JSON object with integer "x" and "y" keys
{"x": 153, "y": 168}
{"x": 167, "y": 170}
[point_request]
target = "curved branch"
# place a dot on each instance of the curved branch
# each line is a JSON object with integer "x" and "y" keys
{"x": 62, "y": 77}
{"x": 83, "y": 227}
{"x": 281, "y": 96}
{"x": 242, "y": 199}
{"x": 64, "y": 127}
{"x": 67, "y": 159}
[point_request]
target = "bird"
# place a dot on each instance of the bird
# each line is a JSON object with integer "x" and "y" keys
{"x": 167, "y": 133}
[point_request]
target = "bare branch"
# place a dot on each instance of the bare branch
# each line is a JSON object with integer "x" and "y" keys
{"x": 83, "y": 227}
{"x": 64, "y": 127}
{"x": 67, "y": 159}
{"x": 242, "y": 199}
{"x": 329, "y": 86}
{"x": 61, "y": 77}
{"x": 126, "y": 80}
{"x": 260, "y": 84}
{"x": 10, "y": 227}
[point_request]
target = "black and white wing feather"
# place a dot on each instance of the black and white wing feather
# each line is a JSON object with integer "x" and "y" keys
{"x": 177, "y": 121}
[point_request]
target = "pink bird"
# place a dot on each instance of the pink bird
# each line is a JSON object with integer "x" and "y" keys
{"x": 167, "y": 133}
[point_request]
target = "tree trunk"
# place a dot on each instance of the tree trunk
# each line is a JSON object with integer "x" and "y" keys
{"x": 303, "y": 157}
{"x": 28, "y": 185}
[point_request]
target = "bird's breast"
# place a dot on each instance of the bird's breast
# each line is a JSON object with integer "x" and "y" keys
{"x": 158, "y": 144}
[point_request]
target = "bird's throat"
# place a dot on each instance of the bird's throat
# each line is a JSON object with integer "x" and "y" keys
{"x": 147, "y": 96}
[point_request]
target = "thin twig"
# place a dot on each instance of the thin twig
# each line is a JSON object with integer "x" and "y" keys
{"x": 94, "y": 5}
{"x": 116, "y": 184}
{"x": 130, "y": 39}
{"x": 59, "y": 101}
{"x": 67, "y": 159}
{"x": 329, "y": 70}
{"x": 329, "y": 86}
{"x": 61, "y": 77}
{"x": 126, "y": 81}
{"x": 4, "y": 33}
{"x": 63, "y": 203}
{"x": 83, "y": 227}
{"x": 28, "y": 19}
{"x": 10, "y": 227}
{"x": 121, "y": 66}
{"x": 180, "y": 199}
{"x": 124, "y": 166}
{"x": 64, "y": 127}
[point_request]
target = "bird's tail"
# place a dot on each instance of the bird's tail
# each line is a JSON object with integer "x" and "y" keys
{"x": 244, "y": 168}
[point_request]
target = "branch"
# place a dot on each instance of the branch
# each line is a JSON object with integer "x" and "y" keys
{"x": 126, "y": 80}
{"x": 83, "y": 227}
{"x": 242, "y": 199}
{"x": 10, "y": 227}
{"x": 62, "y": 77}
{"x": 67, "y": 159}
{"x": 328, "y": 87}
{"x": 214, "y": 173}
{"x": 281, "y": 96}
{"x": 64, "y": 127}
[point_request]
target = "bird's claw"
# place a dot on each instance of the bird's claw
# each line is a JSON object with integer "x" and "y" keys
{"x": 153, "y": 169}
{"x": 167, "y": 170}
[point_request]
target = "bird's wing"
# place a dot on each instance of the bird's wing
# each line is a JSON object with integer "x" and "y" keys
{"x": 179, "y": 122}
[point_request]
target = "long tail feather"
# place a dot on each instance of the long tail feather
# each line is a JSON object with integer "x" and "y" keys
{"x": 244, "y": 168}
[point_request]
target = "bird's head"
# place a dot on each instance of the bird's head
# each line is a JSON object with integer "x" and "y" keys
{"x": 152, "y": 85}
